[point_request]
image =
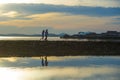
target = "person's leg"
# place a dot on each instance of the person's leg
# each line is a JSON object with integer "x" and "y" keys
{"x": 46, "y": 37}
{"x": 42, "y": 37}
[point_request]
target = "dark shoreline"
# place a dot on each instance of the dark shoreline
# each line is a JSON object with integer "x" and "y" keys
{"x": 35, "y": 48}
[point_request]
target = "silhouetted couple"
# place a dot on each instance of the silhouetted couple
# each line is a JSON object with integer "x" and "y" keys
{"x": 44, "y": 34}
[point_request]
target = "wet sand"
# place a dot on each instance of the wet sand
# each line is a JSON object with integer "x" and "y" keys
{"x": 37, "y": 48}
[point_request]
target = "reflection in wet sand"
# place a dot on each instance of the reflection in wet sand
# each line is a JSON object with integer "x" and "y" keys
{"x": 59, "y": 61}
{"x": 44, "y": 61}
{"x": 60, "y": 68}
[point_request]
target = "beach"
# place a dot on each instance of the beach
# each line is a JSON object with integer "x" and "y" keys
{"x": 34, "y": 48}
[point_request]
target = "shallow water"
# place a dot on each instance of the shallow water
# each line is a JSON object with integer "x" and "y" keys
{"x": 49, "y": 39}
{"x": 60, "y": 68}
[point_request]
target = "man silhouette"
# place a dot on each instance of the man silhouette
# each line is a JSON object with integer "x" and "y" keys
{"x": 46, "y": 34}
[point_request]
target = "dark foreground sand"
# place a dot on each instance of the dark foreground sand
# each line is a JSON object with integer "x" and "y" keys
{"x": 57, "y": 48}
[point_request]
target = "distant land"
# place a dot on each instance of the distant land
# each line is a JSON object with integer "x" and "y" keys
{"x": 79, "y": 35}
{"x": 93, "y": 35}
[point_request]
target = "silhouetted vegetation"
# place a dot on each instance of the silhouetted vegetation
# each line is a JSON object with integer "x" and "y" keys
{"x": 57, "y": 48}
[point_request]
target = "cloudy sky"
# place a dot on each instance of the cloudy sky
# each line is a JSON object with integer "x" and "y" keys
{"x": 69, "y": 16}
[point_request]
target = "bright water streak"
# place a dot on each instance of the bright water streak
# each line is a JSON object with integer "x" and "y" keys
{"x": 49, "y": 39}
{"x": 34, "y": 38}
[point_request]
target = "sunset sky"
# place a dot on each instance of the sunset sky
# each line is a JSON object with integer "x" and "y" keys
{"x": 58, "y": 16}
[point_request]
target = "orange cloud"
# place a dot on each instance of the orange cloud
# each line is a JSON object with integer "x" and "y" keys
{"x": 61, "y": 21}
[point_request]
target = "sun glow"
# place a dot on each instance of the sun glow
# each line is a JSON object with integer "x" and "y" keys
{"x": 9, "y": 74}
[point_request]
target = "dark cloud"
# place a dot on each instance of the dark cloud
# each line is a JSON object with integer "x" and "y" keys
{"x": 75, "y": 10}
{"x": 118, "y": 18}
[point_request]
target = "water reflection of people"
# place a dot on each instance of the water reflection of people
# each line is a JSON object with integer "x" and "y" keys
{"x": 44, "y": 61}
